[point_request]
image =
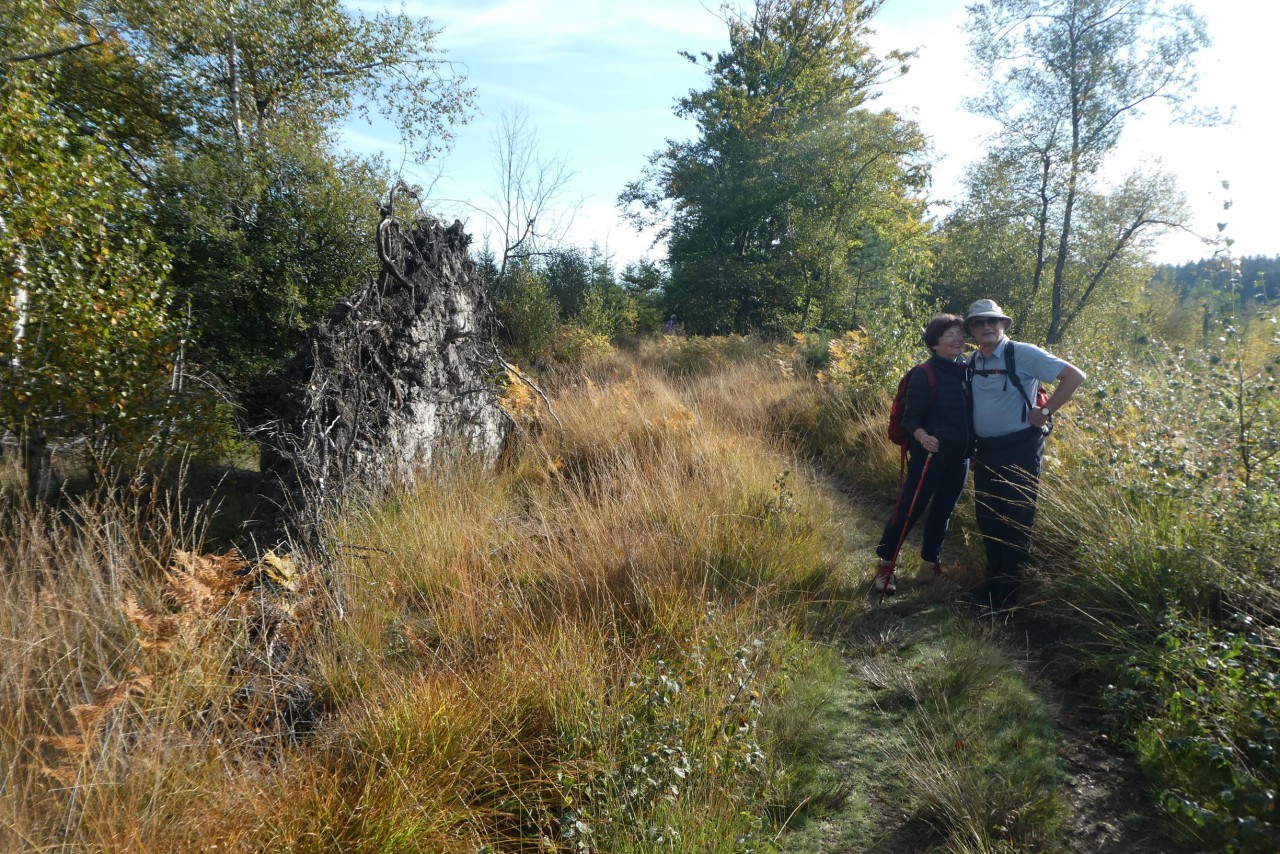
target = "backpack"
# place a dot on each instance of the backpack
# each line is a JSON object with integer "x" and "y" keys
{"x": 897, "y": 433}
{"x": 1042, "y": 393}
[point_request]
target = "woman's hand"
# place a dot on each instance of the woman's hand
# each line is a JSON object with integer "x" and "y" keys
{"x": 929, "y": 443}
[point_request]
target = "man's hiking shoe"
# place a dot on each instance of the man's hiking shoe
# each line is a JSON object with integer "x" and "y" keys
{"x": 886, "y": 581}
{"x": 932, "y": 574}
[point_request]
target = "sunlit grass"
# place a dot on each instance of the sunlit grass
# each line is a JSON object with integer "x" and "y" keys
{"x": 619, "y": 639}
{"x": 512, "y": 644}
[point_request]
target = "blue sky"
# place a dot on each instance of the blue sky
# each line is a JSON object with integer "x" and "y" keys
{"x": 597, "y": 80}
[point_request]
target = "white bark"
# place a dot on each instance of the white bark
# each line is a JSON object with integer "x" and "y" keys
{"x": 233, "y": 74}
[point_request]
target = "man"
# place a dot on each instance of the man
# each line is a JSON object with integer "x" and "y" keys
{"x": 1011, "y": 427}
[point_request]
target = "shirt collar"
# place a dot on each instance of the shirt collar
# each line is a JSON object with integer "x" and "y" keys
{"x": 998, "y": 353}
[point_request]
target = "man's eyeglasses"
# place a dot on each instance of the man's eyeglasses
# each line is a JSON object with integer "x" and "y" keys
{"x": 984, "y": 321}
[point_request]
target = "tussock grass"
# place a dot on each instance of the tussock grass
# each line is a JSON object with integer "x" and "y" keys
{"x": 575, "y": 651}
{"x": 1157, "y": 556}
{"x": 980, "y": 750}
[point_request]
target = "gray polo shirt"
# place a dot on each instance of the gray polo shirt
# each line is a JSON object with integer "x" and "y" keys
{"x": 997, "y": 404}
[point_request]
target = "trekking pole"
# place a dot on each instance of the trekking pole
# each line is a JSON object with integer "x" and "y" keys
{"x": 906, "y": 524}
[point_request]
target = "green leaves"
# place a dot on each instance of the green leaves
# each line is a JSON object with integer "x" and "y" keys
{"x": 87, "y": 344}
{"x": 220, "y": 118}
{"x": 1065, "y": 76}
{"x": 793, "y": 195}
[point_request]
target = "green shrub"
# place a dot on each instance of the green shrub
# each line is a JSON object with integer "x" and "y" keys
{"x": 576, "y": 345}
{"x": 678, "y": 749}
{"x": 1159, "y": 537}
{"x": 1204, "y": 710}
{"x": 529, "y": 316}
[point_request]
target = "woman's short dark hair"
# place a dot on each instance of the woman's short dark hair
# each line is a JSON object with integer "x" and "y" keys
{"x": 938, "y": 327}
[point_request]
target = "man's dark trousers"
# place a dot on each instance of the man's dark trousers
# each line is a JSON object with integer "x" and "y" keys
{"x": 1006, "y": 484}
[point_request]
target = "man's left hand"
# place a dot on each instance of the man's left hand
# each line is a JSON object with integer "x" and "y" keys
{"x": 1037, "y": 418}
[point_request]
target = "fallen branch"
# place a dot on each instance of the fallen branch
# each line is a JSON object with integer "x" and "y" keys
{"x": 528, "y": 382}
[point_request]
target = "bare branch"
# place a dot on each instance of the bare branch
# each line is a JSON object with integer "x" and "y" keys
{"x": 50, "y": 54}
{"x": 515, "y": 372}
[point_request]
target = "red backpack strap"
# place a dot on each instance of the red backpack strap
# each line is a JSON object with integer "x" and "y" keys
{"x": 932, "y": 377}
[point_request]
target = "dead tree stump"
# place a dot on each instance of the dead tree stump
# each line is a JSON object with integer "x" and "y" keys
{"x": 398, "y": 374}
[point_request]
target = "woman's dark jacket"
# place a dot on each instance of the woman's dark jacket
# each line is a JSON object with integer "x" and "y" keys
{"x": 949, "y": 415}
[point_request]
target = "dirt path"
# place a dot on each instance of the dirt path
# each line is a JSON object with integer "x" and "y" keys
{"x": 1108, "y": 808}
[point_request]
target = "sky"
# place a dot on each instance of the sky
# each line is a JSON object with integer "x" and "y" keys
{"x": 596, "y": 81}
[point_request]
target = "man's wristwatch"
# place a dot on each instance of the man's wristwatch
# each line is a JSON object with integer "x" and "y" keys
{"x": 1046, "y": 411}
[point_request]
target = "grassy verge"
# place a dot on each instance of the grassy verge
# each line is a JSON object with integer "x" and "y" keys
{"x": 1158, "y": 570}
{"x": 1156, "y": 552}
{"x": 940, "y": 737}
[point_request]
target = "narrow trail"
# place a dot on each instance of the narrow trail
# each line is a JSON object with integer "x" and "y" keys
{"x": 1108, "y": 807}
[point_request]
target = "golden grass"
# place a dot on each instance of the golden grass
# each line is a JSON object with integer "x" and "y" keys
{"x": 486, "y": 682}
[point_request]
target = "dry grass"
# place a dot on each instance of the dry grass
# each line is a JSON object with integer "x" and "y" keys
{"x": 492, "y": 679}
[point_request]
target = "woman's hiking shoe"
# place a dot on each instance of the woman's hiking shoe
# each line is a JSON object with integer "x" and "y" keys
{"x": 932, "y": 574}
{"x": 886, "y": 581}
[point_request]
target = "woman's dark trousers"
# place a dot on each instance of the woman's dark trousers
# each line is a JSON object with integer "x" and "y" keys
{"x": 939, "y": 491}
{"x": 1006, "y": 484}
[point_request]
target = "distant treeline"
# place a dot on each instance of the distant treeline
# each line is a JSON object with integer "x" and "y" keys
{"x": 1256, "y": 278}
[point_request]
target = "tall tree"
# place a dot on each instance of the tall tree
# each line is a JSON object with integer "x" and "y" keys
{"x": 996, "y": 238}
{"x": 88, "y": 348}
{"x": 858, "y": 215}
{"x": 263, "y": 246}
{"x": 759, "y": 205}
{"x": 226, "y": 112}
{"x": 1066, "y": 76}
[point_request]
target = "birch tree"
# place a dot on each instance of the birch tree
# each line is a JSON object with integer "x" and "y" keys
{"x": 1066, "y": 76}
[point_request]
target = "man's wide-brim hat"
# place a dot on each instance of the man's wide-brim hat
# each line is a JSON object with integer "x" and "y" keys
{"x": 984, "y": 308}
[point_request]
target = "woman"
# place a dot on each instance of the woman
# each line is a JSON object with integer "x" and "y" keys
{"x": 940, "y": 423}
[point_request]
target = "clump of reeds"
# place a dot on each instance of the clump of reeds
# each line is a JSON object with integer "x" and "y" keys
{"x": 979, "y": 751}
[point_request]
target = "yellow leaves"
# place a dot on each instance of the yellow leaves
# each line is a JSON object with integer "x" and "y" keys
{"x": 205, "y": 584}
{"x": 78, "y": 238}
{"x": 679, "y": 420}
{"x": 628, "y": 405}
{"x": 280, "y": 569}
{"x": 847, "y": 359}
{"x": 107, "y": 697}
{"x": 210, "y": 588}
{"x": 574, "y": 345}
{"x": 156, "y": 631}
{"x": 518, "y": 400}
{"x": 213, "y": 598}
